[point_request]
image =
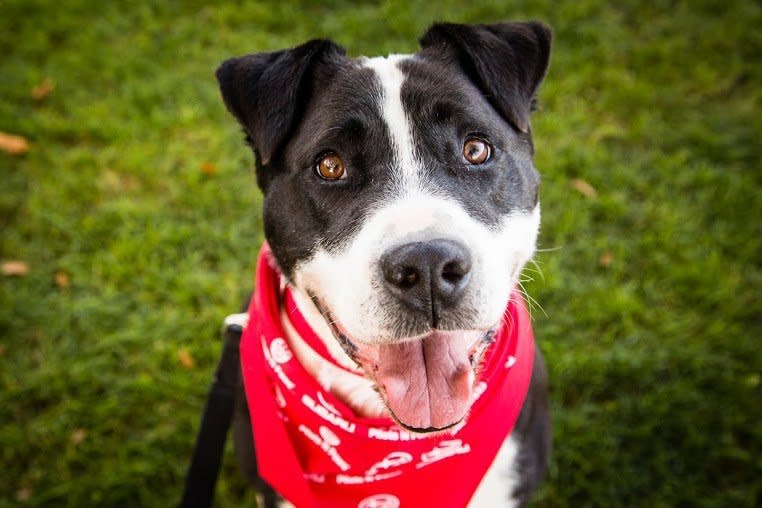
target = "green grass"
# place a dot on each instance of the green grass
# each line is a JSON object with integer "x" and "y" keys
{"x": 651, "y": 290}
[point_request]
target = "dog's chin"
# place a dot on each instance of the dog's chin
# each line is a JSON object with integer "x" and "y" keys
{"x": 426, "y": 381}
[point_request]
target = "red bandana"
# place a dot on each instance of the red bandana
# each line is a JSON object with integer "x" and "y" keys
{"x": 317, "y": 453}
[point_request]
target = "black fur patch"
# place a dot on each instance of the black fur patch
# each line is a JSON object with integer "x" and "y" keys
{"x": 441, "y": 124}
{"x": 507, "y": 61}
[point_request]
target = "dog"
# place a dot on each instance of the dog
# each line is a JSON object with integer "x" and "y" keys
{"x": 400, "y": 207}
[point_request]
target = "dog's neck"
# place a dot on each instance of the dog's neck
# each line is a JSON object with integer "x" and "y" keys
{"x": 347, "y": 384}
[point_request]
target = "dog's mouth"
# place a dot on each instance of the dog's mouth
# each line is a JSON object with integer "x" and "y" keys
{"x": 426, "y": 382}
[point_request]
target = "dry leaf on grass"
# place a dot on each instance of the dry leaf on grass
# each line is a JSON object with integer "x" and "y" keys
{"x": 15, "y": 145}
{"x": 113, "y": 181}
{"x": 606, "y": 259}
{"x": 15, "y": 268}
{"x": 208, "y": 168}
{"x": 584, "y": 188}
{"x": 62, "y": 279}
{"x": 23, "y": 494}
{"x": 77, "y": 436}
{"x": 43, "y": 89}
{"x": 186, "y": 360}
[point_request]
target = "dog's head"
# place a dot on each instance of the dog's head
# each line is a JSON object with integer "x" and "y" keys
{"x": 401, "y": 196}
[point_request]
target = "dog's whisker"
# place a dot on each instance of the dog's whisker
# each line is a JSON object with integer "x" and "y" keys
{"x": 532, "y": 303}
{"x": 550, "y": 249}
{"x": 537, "y": 268}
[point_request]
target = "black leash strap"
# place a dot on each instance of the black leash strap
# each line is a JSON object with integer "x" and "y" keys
{"x": 215, "y": 422}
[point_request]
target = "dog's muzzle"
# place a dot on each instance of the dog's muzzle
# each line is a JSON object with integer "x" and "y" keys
{"x": 427, "y": 277}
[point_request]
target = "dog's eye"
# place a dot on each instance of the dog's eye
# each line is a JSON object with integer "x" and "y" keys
{"x": 331, "y": 167}
{"x": 476, "y": 150}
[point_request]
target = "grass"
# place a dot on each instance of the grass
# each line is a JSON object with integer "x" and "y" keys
{"x": 137, "y": 187}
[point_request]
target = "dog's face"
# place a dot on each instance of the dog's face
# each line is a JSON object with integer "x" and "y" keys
{"x": 400, "y": 195}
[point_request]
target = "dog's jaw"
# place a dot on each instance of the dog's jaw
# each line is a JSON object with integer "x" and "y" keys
{"x": 368, "y": 389}
{"x": 352, "y": 388}
{"x": 361, "y": 382}
{"x": 322, "y": 328}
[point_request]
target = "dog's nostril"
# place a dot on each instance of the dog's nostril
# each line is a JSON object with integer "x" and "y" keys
{"x": 409, "y": 278}
{"x": 401, "y": 276}
{"x": 453, "y": 272}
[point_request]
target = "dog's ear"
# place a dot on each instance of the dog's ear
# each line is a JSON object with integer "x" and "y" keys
{"x": 506, "y": 61}
{"x": 267, "y": 92}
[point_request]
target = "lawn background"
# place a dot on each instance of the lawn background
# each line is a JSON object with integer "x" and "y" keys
{"x": 137, "y": 187}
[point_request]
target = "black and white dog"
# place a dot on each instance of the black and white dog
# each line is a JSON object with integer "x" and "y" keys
{"x": 400, "y": 199}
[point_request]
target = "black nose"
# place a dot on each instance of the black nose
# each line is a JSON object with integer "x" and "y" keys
{"x": 427, "y": 276}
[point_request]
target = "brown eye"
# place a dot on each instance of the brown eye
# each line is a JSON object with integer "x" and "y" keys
{"x": 331, "y": 167}
{"x": 476, "y": 151}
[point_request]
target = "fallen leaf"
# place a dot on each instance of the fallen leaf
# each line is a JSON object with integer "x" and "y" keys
{"x": 15, "y": 145}
{"x": 109, "y": 180}
{"x": 77, "y": 436}
{"x": 115, "y": 182}
{"x": 584, "y": 188}
{"x": 62, "y": 279}
{"x": 2, "y": 350}
{"x": 43, "y": 89}
{"x": 23, "y": 494}
{"x": 208, "y": 168}
{"x": 606, "y": 259}
{"x": 12, "y": 268}
{"x": 186, "y": 360}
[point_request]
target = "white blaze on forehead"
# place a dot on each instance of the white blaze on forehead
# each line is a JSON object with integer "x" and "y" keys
{"x": 391, "y": 77}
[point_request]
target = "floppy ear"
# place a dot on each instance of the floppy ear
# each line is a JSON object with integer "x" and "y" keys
{"x": 506, "y": 61}
{"x": 267, "y": 92}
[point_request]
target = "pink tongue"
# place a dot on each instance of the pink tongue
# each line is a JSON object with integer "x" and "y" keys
{"x": 428, "y": 382}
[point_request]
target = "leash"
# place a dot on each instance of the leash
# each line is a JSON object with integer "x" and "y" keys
{"x": 215, "y": 421}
